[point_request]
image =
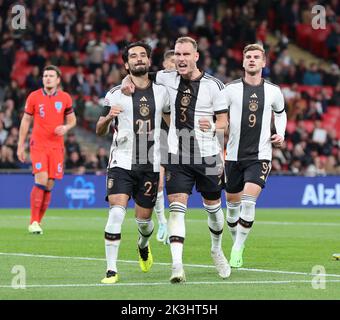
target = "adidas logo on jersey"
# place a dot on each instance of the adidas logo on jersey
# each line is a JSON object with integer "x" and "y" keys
{"x": 253, "y": 95}
{"x": 187, "y": 91}
{"x": 143, "y": 99}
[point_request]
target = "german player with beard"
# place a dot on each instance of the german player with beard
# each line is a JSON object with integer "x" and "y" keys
{"x": 134, "y": 163}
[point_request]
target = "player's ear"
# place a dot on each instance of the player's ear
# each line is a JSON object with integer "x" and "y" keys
{"x": 197, "y": 56}
{"x": 126, "y": 66}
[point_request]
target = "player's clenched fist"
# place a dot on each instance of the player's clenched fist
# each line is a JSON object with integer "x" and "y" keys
{"x": 60, "y": 130}
{"x": 114, "y": 112}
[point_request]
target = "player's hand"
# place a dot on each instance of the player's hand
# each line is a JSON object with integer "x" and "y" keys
{"x": 114, "y": 112}
{"x": 60, "y": 130}
{"x": 277, "y": 140}
{"x": 205, "y": 124}
{"x": 21, "y": 153}
{"x": 127, "y": 87}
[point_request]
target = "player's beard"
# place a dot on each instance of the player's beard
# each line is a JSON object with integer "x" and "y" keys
{"x": 137, "y": 72}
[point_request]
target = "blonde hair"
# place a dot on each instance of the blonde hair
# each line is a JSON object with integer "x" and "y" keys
{"x": 252, "y": 47}
{"x": 187, "y": 40}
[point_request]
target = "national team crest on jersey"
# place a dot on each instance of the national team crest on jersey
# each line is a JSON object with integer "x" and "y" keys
{"x": 253, "y": 106}
{"x": 58, "y": 105}
{"x": 185, "y": 101}
{"x": 144, "y": 110}
{"x": 38, "y": 165}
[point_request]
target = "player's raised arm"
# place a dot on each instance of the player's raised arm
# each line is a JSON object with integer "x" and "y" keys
{"x": 104, "y": 122}
{"x": 23, "y": 131}
{"x": 128, "y": 87}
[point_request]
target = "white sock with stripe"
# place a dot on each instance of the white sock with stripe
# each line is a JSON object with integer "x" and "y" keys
{"x": 245, "y": 221}
{"x": 113, "y": 235}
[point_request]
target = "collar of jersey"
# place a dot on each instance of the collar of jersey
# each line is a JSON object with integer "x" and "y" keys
{"x": 53, "y": 94}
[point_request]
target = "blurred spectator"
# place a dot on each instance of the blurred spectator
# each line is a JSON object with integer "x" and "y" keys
{"x": 314, "y": 110}
{"x": 335, "y": 99}
{"x": 78, "y": 80}
{"x": 7, "y": 158}
{"x": 38, "y": 58}
{"x": 71, "y": 144}
{"x": 33, "y": 80}
{"x": 58, "y": 58}
{"x": 3, "y": 133}
{"x": 95, "y": 50}
{"x": 102, "y": 157}
{"x": 93, "y": 110}
{"x": 312, "y": 76}
{"x": 74, "y": 161}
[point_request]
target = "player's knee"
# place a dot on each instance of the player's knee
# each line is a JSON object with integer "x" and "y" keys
{"x": 248, "y": 207}
{"x": 233, "y": 209}
{"x": 145, "y": 226}
{"x": 176, "y": 224}
{"x": 115, "y": 220}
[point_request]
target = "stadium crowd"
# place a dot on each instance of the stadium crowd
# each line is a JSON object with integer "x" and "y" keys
{"x": 85, "y": 39}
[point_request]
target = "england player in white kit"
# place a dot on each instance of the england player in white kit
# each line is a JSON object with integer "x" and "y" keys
{"x": 251, "y": 102}
{"x": 134, "y": 163}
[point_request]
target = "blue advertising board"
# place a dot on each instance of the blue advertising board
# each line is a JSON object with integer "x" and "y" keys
{"x": 88, "y": 191}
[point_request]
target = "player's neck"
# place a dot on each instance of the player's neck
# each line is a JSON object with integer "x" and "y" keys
{"x": 253, "y": 80}
{"x": 141, "y": 82}
{"x": 195, "y": 74}
{"x": 50, "y": 91}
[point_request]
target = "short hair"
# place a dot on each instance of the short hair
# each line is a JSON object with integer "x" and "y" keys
{"x": 168, "y": 54}
{"x": 252, "y": 47}
{"x": 125, "y": 53}
{"x": 53, "y": 68}
{"x": 187, "y": 40}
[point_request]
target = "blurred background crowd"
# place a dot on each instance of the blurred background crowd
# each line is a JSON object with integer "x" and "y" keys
{"x": 85, "y": 39}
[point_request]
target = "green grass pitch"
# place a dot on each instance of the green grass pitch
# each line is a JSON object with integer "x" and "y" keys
{"x": 67, "y": 261}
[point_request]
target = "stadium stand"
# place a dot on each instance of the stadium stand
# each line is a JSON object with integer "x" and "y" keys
{"x": 85, "y": 38}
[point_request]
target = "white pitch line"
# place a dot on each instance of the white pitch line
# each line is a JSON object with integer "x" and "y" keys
{"x": 283, "y": 223}
{"x": 138, "y": 284}
{"x": 167, "y": 264}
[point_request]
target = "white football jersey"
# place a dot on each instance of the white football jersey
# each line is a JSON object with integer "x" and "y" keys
{"x": 191, "y": 100}
{"x": 250, "y": 115}
{"x": 135, "y": 142}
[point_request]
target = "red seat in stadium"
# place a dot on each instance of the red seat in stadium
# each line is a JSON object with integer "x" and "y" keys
{"x": 329, "y": 118}
{"x": 291, "y": 126}
{"x": 317, "y": 42}
{"x": 309, "y": 125}
{"x": 311, "y": 90}
{"x": 303, "y": 34}
{"x": 334, "y": 111}
{"x": 21, "y": 57}
{"x": 328, "y": 90}
{"x": 68, "y": 70}
{"x": 119, "y": 33}
{"x": 20, "y": 74}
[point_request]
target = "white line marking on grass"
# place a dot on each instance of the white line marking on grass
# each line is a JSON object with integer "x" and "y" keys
{"x": 166, "y": 264}
{"x": 283, "y": 223}
{"x": 143, "y": 284}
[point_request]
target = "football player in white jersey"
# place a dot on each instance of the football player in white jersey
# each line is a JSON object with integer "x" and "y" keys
{"x": 198, "y": 114}
{"x": 134, "y": 163}
{"x": 251, "y": 101}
